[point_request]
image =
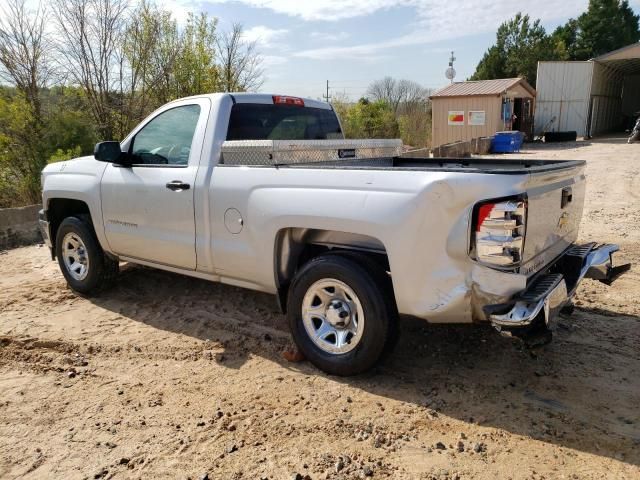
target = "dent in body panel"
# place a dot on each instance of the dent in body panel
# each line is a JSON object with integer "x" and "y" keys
{"x": 429, "y": 257}
{"x": 422, "y": 218}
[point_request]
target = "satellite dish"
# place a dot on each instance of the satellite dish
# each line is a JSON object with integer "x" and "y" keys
{"x": 450, "y": 73}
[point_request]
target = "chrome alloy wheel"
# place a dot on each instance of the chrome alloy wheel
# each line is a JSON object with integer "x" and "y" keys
{"x": 332, "y": 316}
{"x": 74, "y": 255}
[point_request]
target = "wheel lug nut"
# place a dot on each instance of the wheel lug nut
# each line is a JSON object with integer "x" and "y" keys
{"x": 337, "y": 305}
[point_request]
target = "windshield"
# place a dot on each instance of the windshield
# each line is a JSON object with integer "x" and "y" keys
{"x": 252, "y": 121}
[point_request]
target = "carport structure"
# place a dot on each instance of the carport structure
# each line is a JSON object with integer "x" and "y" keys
{"x": 592, "y": 97}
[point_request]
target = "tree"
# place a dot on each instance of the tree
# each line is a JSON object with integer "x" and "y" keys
{"x": 117, "y": 60}
{"x": 520, "y": 45}
{"x": 136, "y": 70}
{"x": 196, "y": 70}
{"x": 156, "y": 29}
{"x": 606, "y": 26}
{"x": 240, "y": 64}
{"x": 492, "y": 65}
{"x": 411, "y": 106}
{"x": 366, "y": 119}
{"x": 24, "y": 50}
{"x": 386, "y": 90}
{"x": 24, "y": 47}
{"x": 91, "y": 33}
{"x": 396, "y": 92}
{"x": 21, "y": 154}
{"x": 564, "y": 40}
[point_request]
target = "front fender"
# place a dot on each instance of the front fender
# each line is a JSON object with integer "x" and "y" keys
{"x": 77, "y": 179}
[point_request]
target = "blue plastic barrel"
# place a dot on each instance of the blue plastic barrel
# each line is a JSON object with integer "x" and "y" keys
{"x": 507, "y": 142}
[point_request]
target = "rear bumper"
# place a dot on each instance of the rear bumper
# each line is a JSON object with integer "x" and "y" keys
{"x": 541, "y": 302}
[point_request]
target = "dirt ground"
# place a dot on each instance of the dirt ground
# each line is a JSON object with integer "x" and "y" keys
{"x": 170, "y": 377}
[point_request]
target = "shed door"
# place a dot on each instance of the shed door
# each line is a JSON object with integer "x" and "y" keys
{"x": 563, "y": 96}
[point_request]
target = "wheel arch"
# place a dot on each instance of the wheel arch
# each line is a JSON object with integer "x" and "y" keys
{"x": 296, "y": 246}
{"x": 60, "y": 208}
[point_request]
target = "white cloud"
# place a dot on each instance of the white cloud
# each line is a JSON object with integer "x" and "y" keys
{"x": 433, "y": 20}
{"x": 264, "y": 35}
{"x": 328, "y": 10}
{"x": 179, "y": 9}
{"x": 329, "y": 36}
{"x": 453, "y": 19}
{"x": 272, "y": 60}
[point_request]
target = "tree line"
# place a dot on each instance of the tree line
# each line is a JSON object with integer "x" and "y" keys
{"x": 78, "y": 71}
{"x": 391, "y": 108}
{"x": 521, "y": 42}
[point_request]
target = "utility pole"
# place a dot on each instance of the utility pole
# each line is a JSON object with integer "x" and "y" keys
{"x": 327, "y": 97}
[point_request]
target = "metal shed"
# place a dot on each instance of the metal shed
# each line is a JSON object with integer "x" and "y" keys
{"x": 590, "y": 97}
{"x": 466, "y": 110}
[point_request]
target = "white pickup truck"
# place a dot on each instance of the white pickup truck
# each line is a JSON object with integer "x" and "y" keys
{"x": 263, "y": 192}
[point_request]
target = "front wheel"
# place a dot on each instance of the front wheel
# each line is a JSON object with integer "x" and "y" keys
{"x": 338, "y": 315}
{"x": 82, "y": 261}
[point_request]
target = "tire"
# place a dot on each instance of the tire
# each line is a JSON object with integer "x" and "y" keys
{"x": 82, "y": 261}
{"x": 550, "y": 137}
{"x": 383, "y": 280}
{"x": 339, "y": 315}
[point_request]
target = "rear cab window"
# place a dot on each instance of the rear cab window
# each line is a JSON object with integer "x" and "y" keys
{"x": 255, "y": 121}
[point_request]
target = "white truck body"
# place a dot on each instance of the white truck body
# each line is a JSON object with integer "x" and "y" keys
{"x": 246, "y": 220}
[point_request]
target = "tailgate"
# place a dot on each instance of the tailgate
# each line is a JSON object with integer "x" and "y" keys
{"x": 555, "y": 201}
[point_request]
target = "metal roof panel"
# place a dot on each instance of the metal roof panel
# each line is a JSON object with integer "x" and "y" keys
{"x": 481, "y": 87}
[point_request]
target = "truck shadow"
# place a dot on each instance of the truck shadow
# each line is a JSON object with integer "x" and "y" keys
{"x": 580, "y": 392}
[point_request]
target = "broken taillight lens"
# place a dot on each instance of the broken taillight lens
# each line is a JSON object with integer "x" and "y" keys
{"x": 499, "y": 231}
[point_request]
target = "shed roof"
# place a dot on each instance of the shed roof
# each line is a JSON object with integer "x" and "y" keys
{"x": 625, "y": 59}
{"x": 482, "y": 87}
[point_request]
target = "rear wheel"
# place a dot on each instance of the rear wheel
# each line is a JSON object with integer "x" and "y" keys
{"x": 338, "y": 315}
{"x": 82, "y": 261}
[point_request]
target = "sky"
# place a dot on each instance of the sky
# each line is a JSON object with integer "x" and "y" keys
{"x": 354, "y": 42}
{"x": 351, "y": 43}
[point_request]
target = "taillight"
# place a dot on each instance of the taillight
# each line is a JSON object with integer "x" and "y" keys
{"x": 499, "y": 230}
{"x": 284, "y": 100}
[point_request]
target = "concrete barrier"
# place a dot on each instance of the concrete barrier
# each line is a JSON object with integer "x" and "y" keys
{"x": 461, "y": 149}
{"x": 481, "y": 145}
{"x": 453, "y": 150}
{"x": 19, "y": 226}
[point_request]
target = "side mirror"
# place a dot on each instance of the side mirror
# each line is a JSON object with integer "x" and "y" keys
{"x": 109, "y": 152}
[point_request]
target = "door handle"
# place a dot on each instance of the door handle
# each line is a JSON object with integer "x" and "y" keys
{"x": 178, "y": 186}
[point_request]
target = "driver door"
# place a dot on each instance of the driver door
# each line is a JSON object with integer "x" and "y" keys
{"x": 148, "y": 209}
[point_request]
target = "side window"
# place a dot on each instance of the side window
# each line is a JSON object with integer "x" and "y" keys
{"x": 166, "y": 140}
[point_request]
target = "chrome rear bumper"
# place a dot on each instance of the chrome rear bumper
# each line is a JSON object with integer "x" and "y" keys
{"x": 544, "y": 299}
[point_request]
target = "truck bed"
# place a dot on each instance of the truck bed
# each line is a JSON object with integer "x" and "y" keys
{"x": 470, "y": 165}
{"x": 368, "y": 154}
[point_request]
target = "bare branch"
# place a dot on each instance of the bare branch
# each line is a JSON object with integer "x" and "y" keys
{"x": 89, "y": 46}
{"x": 24, "y": 51}
{"x": 240, "y": 63}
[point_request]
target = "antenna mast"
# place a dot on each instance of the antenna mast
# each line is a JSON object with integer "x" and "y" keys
{"x": 451, "y": 72}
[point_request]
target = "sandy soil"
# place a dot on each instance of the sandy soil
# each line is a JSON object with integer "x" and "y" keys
{"x": 166, "y": 376}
